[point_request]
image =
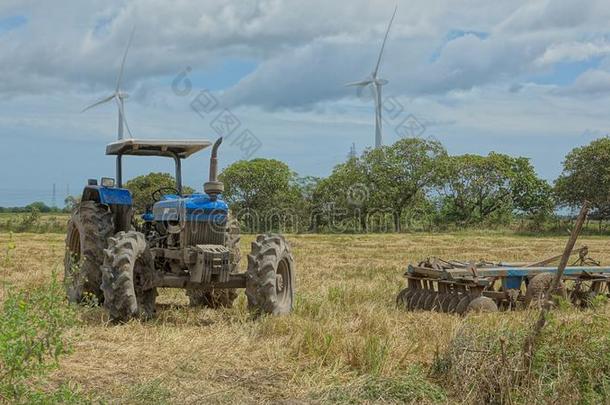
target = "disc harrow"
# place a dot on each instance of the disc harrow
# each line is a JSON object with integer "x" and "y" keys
{"x": 457, "y": 287}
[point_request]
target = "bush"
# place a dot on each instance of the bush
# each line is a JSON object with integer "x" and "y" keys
{"x": 571, "y": 363}
{"x": 32, "y": 338}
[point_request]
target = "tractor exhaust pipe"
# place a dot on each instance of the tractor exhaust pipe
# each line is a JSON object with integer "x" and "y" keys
{"x": 214, "y": 187}
{"x": 214, "y": 160}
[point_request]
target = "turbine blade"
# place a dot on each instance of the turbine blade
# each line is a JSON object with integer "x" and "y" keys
{"x": 122, "y": 112}
{"x": 384, "y": 41}
{"x": 102, "y": 101}
{"x": 360, "y": 83}
{"x": 118, "y": 82}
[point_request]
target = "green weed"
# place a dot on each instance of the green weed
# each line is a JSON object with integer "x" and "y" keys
{"x": 32, "y": 339}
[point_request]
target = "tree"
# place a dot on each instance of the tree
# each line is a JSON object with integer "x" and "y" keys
{"x": 477, "y": 188}
{"x": 38, "y": 206}
{"x": 70, "y": 202}
{"x": 142, "y": 187}
{"x": 306, "y": 202}
{"x": 586, "y": 176}
{"x": 262, "y": 189}
{"x": 345, "y": 193}
{"x": 401, "y": 173}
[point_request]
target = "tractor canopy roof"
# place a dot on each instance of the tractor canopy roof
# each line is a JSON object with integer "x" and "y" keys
{"x": 182, "y": 148}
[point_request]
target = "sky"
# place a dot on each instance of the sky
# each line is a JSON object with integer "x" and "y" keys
{"x": 527, "y": 78}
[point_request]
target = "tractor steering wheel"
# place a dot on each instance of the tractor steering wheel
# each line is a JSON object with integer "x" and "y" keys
{"x": 158, "y": 193}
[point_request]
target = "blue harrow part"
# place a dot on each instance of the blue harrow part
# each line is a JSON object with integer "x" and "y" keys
{"x": 460, "y": 287}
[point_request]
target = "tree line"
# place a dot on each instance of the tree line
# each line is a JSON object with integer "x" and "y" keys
{"x": 415, "y": 184}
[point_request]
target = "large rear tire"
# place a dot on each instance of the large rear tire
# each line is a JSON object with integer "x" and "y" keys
{"x": 88, "y": 230}
{"x": 223, "y": 298}
{"x": 270, "y": 276}
{"x": 127, "y": 278}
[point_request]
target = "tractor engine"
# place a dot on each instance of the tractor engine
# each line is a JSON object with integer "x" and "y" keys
{"x": 189, "y": 234}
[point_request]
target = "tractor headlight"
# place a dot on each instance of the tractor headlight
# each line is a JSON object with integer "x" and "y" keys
{"x": 107, "y": 182}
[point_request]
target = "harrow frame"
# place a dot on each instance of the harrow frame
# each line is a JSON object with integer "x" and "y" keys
{"x": 453, "y": 286}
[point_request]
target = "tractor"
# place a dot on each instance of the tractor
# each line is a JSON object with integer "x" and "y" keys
{"x": 181, "y": 241}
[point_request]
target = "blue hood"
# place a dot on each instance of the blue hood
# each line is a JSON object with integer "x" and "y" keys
{"x": 196, "y": 207}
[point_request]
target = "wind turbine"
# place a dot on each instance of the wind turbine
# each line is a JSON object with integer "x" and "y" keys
{"x": 376, "y": 83}
{"x": 118, "y": 95}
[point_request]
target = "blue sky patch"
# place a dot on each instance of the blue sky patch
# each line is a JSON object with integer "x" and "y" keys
{"x": 13, "y": 22}
{"x": 565, "y": 73}
{"x": 220, "y": 76}
{"x": 102, "y": 26}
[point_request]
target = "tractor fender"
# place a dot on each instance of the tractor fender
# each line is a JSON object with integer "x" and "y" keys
{"x": 107, "y": 195}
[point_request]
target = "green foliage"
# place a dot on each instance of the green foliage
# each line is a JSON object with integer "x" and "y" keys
{"x": 570, "y": 365}
{"x": 150, "y": 392}
{"x": 412, "y": 183}
{"x": 390, "y": 180}
{"x": 30, "y": 220}
{"x": 142, "y": 187}
{"x": 586, "y": 176}
{"x": 345, "y": 191}
{"x": 262, "y": 191}
{"x": 33, "y": 221}
{"x": 32, "y": 337}
{"x": 38, "y": 206}
{"x": 491, "y": 188}
{"x": 412, "y": 387}
{"x": 401, "y": 172}
{"x": 70, "y": 202}
{"x": 33, "y": 324}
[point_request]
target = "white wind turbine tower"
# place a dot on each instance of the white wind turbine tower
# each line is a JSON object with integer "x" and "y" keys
{"x": 376, "y": 83}
{"x": 118, "y": 95}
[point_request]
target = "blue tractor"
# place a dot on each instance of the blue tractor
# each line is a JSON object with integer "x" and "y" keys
{"x": 183, "y": 241}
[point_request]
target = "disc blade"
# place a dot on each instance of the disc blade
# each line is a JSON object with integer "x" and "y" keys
{"x": 102, "y": 101}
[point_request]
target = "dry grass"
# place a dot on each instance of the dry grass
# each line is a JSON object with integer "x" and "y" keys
{"x": 345, "y": 342}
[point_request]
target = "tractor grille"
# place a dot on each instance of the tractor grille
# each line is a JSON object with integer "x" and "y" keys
{"x": 202, "y": 233}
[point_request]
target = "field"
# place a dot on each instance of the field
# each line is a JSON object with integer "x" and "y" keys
{"x": 345, "y": 341}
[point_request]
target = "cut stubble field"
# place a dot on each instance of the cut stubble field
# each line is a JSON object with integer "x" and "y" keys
{"x": 345, "y": 341}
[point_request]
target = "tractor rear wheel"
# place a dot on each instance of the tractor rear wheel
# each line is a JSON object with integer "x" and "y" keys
{"x": 88, "y": 230}
{"x": 127, "y": 278}
{"x": 221, "y": 298}
{"x": 270, "y": 276}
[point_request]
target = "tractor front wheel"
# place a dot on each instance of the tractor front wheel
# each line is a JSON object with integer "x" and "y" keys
{"x": 127, "y": 278}
{"x": 270, "y": 276}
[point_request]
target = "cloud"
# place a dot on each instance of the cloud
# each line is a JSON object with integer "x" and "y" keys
{"x": 594, "y": 82}
{"x": 572, "y": 51}
{"x": 303, "y": 51}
